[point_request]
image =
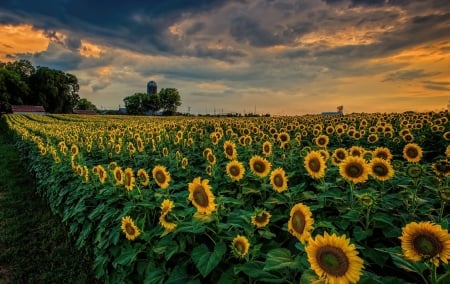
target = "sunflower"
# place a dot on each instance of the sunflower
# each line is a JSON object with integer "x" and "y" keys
{"x": 102, "y": 174}
{"x": 240, "y": 246}
{"x": 414, "y": 171}
{"x": 267, "y": 148}
{"x": 259, "y": 166}
{"x": 229, "y": 148}
{"x": 74, "y": 150}
{"x": 261, "y": 218}
{"x": 278, "y": 180}
{"x": 184, "y": 163}
{"x": 334, "y": 258}
{"x": 117, "y": 148}
{"x": 315, "y": 165}
{"x": 300, "y": 222}
{"x": 441, "y": 167}
{"x": 235, "y": 170}
{"x": 165, "y": 223}
{"x": 372, "y": 138}
{"x": 447, "y": 151}
{"x": 356, "y": 151}
{"x": 408, "y": 137}
{"x": 412, "y": 152}
{"x": 143, "y": 177}
{"x": 322, "y": 140}
{"x": 201, "y": 196}
{"x": 130, "y": 230}
{"x": 161, "y": 176}
{"x": 339, "y": 155}
{"x": 381, "y": 169}
{"x": 425, "y": 240}
{"x": 129, "y": 179}
{"x": 167, "y": 206}
{"x": 211, "y": 158}
{"x": 118, "y": 175}
{"x": 383, "y": 153}
{"x": 354, "y": 169}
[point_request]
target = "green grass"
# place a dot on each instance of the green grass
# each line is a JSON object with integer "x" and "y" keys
{"x": 34, "y": 244}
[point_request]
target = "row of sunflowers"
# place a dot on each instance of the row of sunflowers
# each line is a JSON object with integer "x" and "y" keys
{"x": 360, "y": 198}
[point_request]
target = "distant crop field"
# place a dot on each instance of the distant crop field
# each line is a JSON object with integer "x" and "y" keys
{"x": 342, "y": 199}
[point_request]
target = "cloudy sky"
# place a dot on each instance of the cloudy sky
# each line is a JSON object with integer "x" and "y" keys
{"x": 283, "y": 57}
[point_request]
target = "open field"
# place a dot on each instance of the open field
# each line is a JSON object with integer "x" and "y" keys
{"x": 355, "y": 198}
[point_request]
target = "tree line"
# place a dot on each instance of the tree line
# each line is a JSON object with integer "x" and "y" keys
{"x": 23, "y": 84}
{"x": 167, "y": 101}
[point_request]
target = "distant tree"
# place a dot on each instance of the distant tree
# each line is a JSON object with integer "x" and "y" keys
{"x": 136, "y": 104}
{"x": 84, "y": 104}
{"x": 153, "y": 103}
{"x": 13, "y": 90}
{"x": 170, "y": 100}
{"x": 55, "y": 90}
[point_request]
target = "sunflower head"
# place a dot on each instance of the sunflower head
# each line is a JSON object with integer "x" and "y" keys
{"x": 129, "y": 179}
{"x": 267, "y": 148}
{"x": 278, "y": 180}
{"x": 161, "y": 176}
{"x": 201, "y": 196}
{"x": 381, "y": 169}
{"x": 425, "y": 241}
{"x": 315, "y": 164}
{"x": 354, "y": 169}
{"x": 166, "y": 223}
{"x": 229, "y": 148}
{"x": 261, "y": 218}
{"x": 441, "y": 167}
{"x": 235, "y": 170}
{"x": 334, "y": 258}
{"x": 130, "y": 230}
{"x": 382, "y": 152}
{"x": 412, "y": 152}
{"x": 240, "y": 246}
{"x": 143, "y": 177}
{"x": 259, "y": 166}
{"x": 118, "y": 175}
{"x": 414, "y": 171}
{"x": 300, "y": 223}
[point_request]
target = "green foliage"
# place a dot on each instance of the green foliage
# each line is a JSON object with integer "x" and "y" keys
{"x": 85, "y": 104}
{"x": 21, "y": 83}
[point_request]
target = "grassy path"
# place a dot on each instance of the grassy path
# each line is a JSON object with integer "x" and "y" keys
{"x": 34, "y": 247}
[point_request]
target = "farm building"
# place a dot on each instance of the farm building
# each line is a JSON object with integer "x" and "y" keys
{"x": 84, "y": 111}
{"x": 27, "y": 109}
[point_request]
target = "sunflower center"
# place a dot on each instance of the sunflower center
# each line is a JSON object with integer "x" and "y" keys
{"x": 340, "y": 155}
{"x": 321, "y": 141}
{"x": 298, "y": 222}
{"x": 240, "y": 247}
{"x": 234, "y": 171}
{"x": 380, "y": 170}
{"x": 130, "y": 230}
{"x": 354, "y": 170}
{"x": 259, "y": 167}
{"x": 261, "y": 218}
{"x": 333, "y": 260}
{"x": 314, "y": 165}
{"x": 427, "y": 244}
{"x": 160, "y": 177}
{"x": 200, "y": 197}
{"x": 266, "y": 148}
{"x": 229, "y": 151}
{"x": 382, "y": 155}
{"x": 118, "y": 175}
{"x": 278, "y": 180}
{"x": 412, "y": 152}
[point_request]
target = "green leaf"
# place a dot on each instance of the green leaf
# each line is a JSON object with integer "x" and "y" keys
{"x": 359, "y": 234}
{"x": 206, "y": 261}
{"x": 127, "y": 256}
{"x": 255, "y": 270}
{"x": 309, "y": 276}
{"x": 403, "y": 263}
{"x": 280, "y": 258}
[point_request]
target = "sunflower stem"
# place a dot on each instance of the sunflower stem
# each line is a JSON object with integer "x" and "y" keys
{"x": 351, "y": 195}
{"x": 433, "y": 273}
{"x": 441, "y": 211}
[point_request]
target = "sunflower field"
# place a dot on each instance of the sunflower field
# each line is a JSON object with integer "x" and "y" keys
{"x": 358, "y": 198}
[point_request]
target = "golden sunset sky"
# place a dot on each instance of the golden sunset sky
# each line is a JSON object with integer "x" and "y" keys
{"x": 279, "y": 57}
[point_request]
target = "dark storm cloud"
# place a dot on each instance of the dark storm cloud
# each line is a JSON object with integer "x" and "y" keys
{"x": 135, "y": 25}
{"x": 409, "y": 75}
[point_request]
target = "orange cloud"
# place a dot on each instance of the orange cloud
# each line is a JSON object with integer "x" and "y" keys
{"x": 88, "y": 49}
{"x": 21, "y": 39}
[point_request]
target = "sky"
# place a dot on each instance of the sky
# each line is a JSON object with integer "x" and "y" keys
{"x": 282, "y": 57}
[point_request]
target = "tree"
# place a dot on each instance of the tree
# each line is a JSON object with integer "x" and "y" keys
{"x": 136, "y": 104}
{"x": 55, "y": 90}
{"x": 170, "y": 99}
{"x": 84, "y": 104}
{"x": 153, "y": 103}
{"x": 13, "y": 90}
